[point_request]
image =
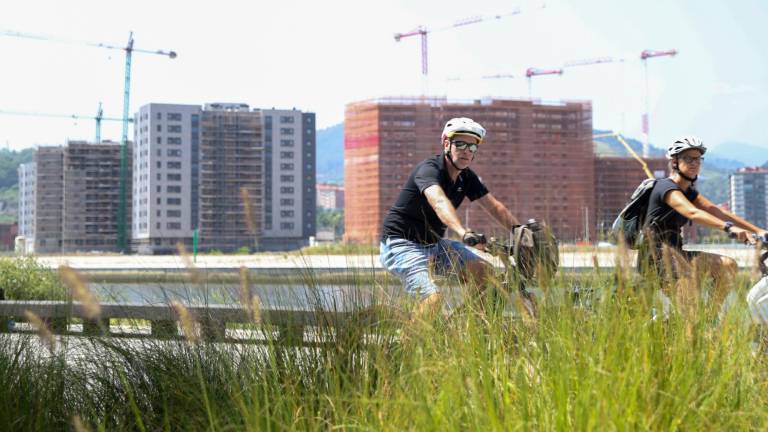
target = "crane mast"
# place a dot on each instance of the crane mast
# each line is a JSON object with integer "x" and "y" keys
{"x": 129, "y": 50}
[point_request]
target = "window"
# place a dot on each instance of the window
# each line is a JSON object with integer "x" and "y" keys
{"x": 159, "y": 127}
{"x": 286, "y": 201}
{"x": 174, "y": 140}
{"x": 174, "y": 189}
{"x": 286, "y": 225}
{"x": 286, "y": 131}
{"x": 173, "y": 152}
{"x": 286, "y": 154}
{"x": 159, "y": 140}
{"x": 174, "y": 201}
{"x": 286, "y": 189}
{"x": 159, "y": 164}
{"x": 286, "y": 213}
{"x": 174, "y": 177}
{"x": 173, "y": 225}
{"x": 174, "y": 116}
{"x": 174, "y": 213}
{"x": 173, "y": 165}
{"x": 174, "y": 128}
{"x": 159, "y": 116}
{"x": 286, "y": 119}
{"x": 286, "y": 178}
{"x": 286, "y": 143}
{"x": 286, "y": 166}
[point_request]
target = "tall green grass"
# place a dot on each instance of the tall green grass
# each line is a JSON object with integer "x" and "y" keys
{"x": 596, "y": 362}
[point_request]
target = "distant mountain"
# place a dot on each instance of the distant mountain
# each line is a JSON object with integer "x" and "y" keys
{"x": 330, "y": 154}
{"x": 746, "y": 154}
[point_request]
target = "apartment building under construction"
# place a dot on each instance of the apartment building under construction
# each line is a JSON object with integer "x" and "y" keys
{"x": 90, "y": 198}
{"x": 537, "y": 159}
{"x": 231, "y": 177}
{"x": 71, "y": 198}
{"x": 615, "y": 180}
{"x": 45, "y": 229}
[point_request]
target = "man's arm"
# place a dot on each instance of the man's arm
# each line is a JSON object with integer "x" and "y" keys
{"x": 444, "y": 209}
{"x": 495, "y": 208}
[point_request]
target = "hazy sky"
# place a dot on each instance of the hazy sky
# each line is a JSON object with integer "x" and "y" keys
{"x": 320, "y": 55}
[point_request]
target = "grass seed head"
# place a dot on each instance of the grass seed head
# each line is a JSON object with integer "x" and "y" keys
{"x": 80, "y": 292}
{"x": 42, "y": 330}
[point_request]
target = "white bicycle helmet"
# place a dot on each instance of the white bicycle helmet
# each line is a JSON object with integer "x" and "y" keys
{"x": 463, "y": 125}
{"x": 685, "y": 143}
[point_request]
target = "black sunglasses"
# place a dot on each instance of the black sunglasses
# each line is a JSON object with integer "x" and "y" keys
{"x": 461, "y": 145}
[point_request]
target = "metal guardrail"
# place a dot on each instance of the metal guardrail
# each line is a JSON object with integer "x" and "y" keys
{"x": 274, "y": 325}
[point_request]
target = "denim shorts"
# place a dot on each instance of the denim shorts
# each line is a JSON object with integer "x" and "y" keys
{"x": 410, "y": 261}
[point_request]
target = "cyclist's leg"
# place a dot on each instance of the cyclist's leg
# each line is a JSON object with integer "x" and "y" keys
{"x": 455, "y": 258}
{"x": 409, "y": 261}
{"x": 722, "y": 269}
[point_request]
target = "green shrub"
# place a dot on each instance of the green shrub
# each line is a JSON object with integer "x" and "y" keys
{"x": 24, "y": 278}
{"x": 245, "y": 250}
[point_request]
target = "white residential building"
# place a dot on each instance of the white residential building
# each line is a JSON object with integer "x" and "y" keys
{"x": 27, "y": 185}
{"x": 165, "y": 177}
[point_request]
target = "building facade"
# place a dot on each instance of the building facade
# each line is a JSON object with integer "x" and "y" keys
{"x": 91, "y": 196}
{"x": 27, "y": 191}
{"x": 166, "y": 181}
{"x": 49, "y": 199}
{"x": 537, "y": 159}
{"x": 330, "y": 196}
{"x": 615, "y": 180}
{"x": 289, "y": 179}
{"x": 231, "y": 177}
{"x": 749, "y": 194}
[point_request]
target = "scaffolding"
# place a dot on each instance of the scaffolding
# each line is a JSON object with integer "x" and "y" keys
{"x": 231, "y": 160}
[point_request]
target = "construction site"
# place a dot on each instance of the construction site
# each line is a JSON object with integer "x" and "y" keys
{"x": 537, "y": 159}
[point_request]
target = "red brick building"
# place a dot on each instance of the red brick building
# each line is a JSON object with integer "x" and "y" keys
{"x": 538, "y": 159}
{"x": 615, "y": 180}
{"x": 8, "y": 234}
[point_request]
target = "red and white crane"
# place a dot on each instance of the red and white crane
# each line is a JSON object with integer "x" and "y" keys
{"x": 422, "y": 31}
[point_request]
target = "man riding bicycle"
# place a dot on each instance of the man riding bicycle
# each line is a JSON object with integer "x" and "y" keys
{"x": 413, "y": 228}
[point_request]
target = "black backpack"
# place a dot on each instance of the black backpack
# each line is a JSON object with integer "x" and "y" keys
{"x": 628, "y": 226}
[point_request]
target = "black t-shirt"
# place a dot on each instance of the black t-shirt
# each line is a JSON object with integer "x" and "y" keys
{"x": 664, "y": 221}
{"x": 412, "y": 218}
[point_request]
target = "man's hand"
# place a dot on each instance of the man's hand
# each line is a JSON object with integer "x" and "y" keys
{"x": 473, "y": 239}
{"x": 741, "y": 235}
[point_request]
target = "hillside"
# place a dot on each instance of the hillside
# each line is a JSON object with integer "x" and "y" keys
{"x": 330, "y": 154}
{"x": 713, "y": 180}
{"x": 9, "y": 164}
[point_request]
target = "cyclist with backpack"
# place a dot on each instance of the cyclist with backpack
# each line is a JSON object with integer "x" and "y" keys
{"x": 413, "y": 230}
{"x": 673, "y": 202}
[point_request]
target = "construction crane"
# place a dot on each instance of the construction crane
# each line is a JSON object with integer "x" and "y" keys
{"x": 99, "y": 117}
{"x": 422, "y": 32}
{"x": 122, "y": 243}
{"x": 626, "y": 145}
{"x": 644, "y": 56}
{"x": 532, "y": 72}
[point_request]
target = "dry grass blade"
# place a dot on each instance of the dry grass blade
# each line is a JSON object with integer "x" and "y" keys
{"x": 192, "y": 271}
{"x": 80, "y": 292}
{"x": 42, "y": 330}
{"x": 250, "y": 302}
{"x": 249, "y": 219}
{"x": 188, "y": 326}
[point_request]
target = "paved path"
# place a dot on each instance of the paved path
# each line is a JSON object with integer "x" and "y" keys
{"x": 573, "y": 261}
